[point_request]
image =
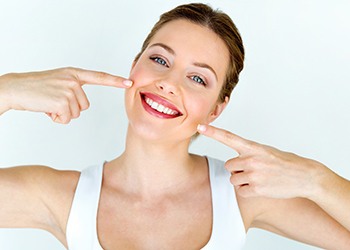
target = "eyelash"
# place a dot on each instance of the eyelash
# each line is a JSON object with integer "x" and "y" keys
{"x": 159, "y": 60}
{"x": 197, "y": 79}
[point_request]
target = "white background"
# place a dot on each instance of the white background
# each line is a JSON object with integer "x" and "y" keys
{"x": 293, "y": 93}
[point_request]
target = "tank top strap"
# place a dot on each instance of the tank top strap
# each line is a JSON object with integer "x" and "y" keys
{"x": 228, "y": 231}
{"x": 81, "y": 226}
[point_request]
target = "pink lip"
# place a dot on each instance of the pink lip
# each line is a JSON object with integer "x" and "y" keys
{"x": 161, "y": 101}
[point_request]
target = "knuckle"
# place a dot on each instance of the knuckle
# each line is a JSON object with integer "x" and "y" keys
{"x": 249, "y": 161}
{"x": 267, "y": 150}
{"x": 228, "y": 165}
{"x": 62, "y": 119}
{"x": 73, "y": 84}
{"x": 251, "y": 145}
{"x": 101, "y": 75}
{"x": 69, "y": 95}
{"x": 76, "y": 115}
{"x": 66, "y": 120}
{"x": 234, "y": 179}
{"x": 67, "y": 70}
{"x": 85, "y": 105}
{"x": 227, "y": 136}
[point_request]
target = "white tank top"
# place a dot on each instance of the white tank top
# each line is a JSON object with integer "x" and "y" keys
{"x": 228, "y": 230}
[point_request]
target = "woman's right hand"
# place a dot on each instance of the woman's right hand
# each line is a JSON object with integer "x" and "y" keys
{"x": 58, "y": 92}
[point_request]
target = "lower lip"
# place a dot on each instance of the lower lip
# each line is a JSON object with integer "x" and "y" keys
{"x": 155, "y": 112}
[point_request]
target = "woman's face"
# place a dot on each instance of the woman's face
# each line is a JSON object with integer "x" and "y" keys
{"x": 177, "y": 81}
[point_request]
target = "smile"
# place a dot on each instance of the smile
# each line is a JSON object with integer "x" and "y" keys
{"x": 158, "y": 106}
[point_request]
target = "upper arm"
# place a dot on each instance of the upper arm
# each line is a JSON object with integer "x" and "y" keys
{"x": 299, "y": 219}
{"x": 21, "y": 203}
{"x": 36, "y": 197}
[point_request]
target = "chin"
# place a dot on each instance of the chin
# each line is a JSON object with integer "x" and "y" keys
{"x": 158, "y": 134}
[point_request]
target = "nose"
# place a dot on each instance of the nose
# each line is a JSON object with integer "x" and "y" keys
{"x": 168, "y": 86}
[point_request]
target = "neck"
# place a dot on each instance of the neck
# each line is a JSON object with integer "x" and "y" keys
{"x": 151, "y": 168}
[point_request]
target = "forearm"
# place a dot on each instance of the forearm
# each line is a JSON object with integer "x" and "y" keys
{"x": 333, "y": 195}
{"x": 304, "y": 221}
{"x": 4, "y": 105}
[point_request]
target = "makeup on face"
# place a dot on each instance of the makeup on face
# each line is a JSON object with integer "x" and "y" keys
{"x": 177, "y": 81}
{"x": 158, "y": 106}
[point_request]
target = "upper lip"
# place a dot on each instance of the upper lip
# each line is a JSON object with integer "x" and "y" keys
{"x": 162, "y": 101}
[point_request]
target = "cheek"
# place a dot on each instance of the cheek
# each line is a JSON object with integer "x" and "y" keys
{"x": 199, "y": 109}
{"x": 144, "y": 73}
{"x": 136, "y": 75}
{"x": 139, "y": 75}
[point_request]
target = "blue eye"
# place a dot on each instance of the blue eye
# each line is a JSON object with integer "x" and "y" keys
{"x": 159, "y": 60}
{"x": 198, "y": 80}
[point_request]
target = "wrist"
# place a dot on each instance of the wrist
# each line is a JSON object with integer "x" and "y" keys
{"x": 322, "y": 183}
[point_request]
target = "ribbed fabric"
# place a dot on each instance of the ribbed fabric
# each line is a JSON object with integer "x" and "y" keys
{"x": 228, "y": 230}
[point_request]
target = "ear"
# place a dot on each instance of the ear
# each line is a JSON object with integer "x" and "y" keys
{"x": 217, "y": 110}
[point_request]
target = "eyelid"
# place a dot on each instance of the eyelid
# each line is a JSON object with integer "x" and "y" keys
{"x": 204, "y": 78}
{"x": 160, "y": 52}
{"x": 205, "y": 82}
{"x": 152, "y": 57}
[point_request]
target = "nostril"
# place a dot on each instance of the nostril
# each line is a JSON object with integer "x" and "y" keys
{"x": 168, "y": 88}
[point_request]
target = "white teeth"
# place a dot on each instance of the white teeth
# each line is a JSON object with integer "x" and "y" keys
{"x": 149, "y": 101}
{"x": 154, "y": 105}
{"x": 160, "y": 107}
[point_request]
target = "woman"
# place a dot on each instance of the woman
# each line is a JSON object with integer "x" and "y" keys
{"x": 156, "y": 195}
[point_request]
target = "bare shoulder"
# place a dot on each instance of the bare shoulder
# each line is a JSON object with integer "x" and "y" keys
{"x": 38, "y": 197}
{"x": 56, "y": 188}
{"x": 42, "y": 178}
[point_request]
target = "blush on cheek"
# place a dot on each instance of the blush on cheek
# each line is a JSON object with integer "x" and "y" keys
{"x": 139, "y": 77}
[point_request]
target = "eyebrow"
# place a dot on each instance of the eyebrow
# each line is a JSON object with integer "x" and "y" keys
{"x": 198, "y": 64}
{"x": 206, "y": 66}
{"x": 166, "y": 47}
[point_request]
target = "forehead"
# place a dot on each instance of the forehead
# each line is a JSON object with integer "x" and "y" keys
{"x": 194, "y": 43}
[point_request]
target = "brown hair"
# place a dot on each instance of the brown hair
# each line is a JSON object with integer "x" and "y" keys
{"x": 218, "y": 22}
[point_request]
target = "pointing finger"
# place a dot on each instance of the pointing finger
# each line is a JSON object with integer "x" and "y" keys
{"x": 229, "y": 139}
{"x": 101, "y": 78}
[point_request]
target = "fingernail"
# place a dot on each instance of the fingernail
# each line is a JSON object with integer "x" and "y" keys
{"x": 127, "y": 83}
{"x": 201, "y": 128}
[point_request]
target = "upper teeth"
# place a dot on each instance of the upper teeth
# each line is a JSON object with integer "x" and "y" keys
{"x": 160, "y": 107}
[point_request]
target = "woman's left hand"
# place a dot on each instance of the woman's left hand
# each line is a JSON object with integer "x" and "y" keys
{"x": 261, "y": 170}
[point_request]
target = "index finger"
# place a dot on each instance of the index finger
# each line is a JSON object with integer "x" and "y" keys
{"x": 226, "y": 137}
{"x": 101, "y": 78}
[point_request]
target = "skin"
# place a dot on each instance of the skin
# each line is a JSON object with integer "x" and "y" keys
{"x": 58, "y": 93}
{"x": 264, "y": 171}
{"x": 144, "y": 198}
{"x": 158, "y": 185}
